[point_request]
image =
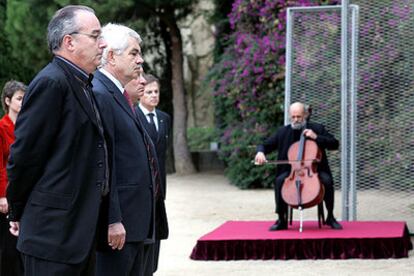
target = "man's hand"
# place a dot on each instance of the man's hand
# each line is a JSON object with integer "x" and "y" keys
{"x": 4, "y": 207}
{"x": 260, "y": 158}
{"x": 14, "y": 228}
{"x": 309, "y": 133}
{"x": 116, "y": 235}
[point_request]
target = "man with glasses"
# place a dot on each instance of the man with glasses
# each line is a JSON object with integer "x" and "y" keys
{"x": 58, "y": 168}
{"x": 131, "y": 212}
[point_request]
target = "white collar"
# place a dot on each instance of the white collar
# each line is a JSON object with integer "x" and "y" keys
{"x": 146, "y": 111}
{"x": 113, "y": 79}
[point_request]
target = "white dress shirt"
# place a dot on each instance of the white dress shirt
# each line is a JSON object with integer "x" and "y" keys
{"x": 146, "y": 112}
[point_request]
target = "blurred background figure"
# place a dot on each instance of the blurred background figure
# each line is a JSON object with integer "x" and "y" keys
{"x": 135, "y": 88}
{"x": 158, "y": 125}
{"x": 11, "y": 100}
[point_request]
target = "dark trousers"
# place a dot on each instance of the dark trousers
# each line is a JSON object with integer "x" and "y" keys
{"x": 39, "y": 267}
{"x": 135, "y": 259}
{"x": 149, "y": 251}
{"x": 157, "y": 246}
{"x": 11, "y": 262}
{"x": 325, "y": 179}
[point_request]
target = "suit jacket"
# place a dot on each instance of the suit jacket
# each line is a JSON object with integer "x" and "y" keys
{"x": 56, "y": 167}
{"x": 132, "y": 179}
{"x": 285, "y": 136}
{"x": 161, "y": 144}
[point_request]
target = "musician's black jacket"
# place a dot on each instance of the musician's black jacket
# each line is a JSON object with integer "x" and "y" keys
{"x": 285, "y": 136}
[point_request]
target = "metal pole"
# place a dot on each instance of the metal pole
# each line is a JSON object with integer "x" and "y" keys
{"x": 288, "y": 77}
{"x": 353, "y": 113}
{"x": 344, "y": 121}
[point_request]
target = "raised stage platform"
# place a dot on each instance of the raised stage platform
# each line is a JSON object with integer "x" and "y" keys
{"x": 251, "y": 240}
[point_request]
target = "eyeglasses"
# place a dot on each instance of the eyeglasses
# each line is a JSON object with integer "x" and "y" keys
{"x": 95, "y": 37}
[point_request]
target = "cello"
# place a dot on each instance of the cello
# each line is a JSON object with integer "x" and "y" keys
{"x": 302, "y": 188}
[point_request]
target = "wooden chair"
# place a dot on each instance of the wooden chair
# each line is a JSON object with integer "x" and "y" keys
{"x": 321, "y": 215}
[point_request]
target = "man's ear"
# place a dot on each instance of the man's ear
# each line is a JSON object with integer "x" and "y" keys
{"x": 68, "y": 43}
{"x": 111, "y": 57}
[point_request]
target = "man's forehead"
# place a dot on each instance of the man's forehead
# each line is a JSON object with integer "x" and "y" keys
{"x": 152, "y": 84}
{"x": 296, "y": 111}
{"x": 86, "y": 19}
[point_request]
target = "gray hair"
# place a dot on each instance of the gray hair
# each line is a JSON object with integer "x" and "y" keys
{"x": 116, "y": 36}
{"x": 63, "y": 23}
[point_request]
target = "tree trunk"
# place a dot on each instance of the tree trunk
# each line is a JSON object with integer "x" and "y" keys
{"x": 182, "y": 156}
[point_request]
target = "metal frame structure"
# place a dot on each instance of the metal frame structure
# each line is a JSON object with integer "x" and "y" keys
{"x": 348, "y": 96}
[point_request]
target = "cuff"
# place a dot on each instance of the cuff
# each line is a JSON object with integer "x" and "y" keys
{"x": 15, "y": 212}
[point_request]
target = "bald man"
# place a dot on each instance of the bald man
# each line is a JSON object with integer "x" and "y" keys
{"x": 281, "y": 141}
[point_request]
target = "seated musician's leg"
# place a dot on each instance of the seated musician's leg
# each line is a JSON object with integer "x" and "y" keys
{"x": 281, "y": 207}
{"x": 327, "y": 181}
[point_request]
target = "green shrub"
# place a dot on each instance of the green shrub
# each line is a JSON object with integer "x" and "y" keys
{"x": 199, "y": 138}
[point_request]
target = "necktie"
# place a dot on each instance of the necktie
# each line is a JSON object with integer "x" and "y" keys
{"x": 126, "y": 95}
{"x": 149, "y": 146}
{"x": 153, "y": 128}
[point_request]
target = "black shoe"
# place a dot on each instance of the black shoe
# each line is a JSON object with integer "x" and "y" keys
{"x": 279, "y": 225}
{"x": 333, "y": 223}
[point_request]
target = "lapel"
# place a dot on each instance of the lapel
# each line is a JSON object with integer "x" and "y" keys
{"x": 114, "y": 91}
{"x": 141, "y": 116}
{"x": 121, "y": 100}
{"x": 146, "y": 124}
{"x": 161, "y": 125}
{"x": 77, "y": 86}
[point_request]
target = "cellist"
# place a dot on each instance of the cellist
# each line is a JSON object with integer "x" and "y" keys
{"x": 281, "y": 140}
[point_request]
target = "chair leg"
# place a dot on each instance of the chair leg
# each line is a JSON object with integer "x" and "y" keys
{"x": 321, "y": 215}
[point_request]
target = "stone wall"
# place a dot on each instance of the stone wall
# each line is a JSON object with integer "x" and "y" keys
{"x": 198, "y": 44}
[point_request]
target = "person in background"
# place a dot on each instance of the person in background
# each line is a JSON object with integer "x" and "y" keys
{"x": 11, "y": 99}
{"x": 135, "y": 88}
{"x": 158, "y": 125}
{"x": 58, "y": 169}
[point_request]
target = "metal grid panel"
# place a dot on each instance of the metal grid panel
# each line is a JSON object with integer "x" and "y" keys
{"x": 385, "y": 137}
{"x": 384, "y": 163}
{"x": 314, "y": 75}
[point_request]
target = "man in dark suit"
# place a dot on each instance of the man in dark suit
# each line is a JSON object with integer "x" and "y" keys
{"x": 134, "y": 175}
{"x": 158, "y": 125}
{"x": 281, "y": 140}
{"x": 59, "y": 165}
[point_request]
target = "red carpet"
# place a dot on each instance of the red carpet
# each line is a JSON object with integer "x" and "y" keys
{"x": 236, "y": 240}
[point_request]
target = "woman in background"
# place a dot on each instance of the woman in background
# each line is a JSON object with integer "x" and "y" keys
{"x": 11, "y": 99}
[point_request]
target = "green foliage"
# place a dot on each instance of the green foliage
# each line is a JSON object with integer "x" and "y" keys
{"x": 248, "y": 90}
{"x": 10, "y": 67}
{"x": 199, "y": 138}
{"x": 26, "y": 30}
{"x": 238, "y": 150}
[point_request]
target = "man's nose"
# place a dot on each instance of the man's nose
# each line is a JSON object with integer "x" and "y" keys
{"x": 139, "y": 60}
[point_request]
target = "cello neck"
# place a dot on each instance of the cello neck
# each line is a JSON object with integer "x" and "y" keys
{"x": 301, "y": 143}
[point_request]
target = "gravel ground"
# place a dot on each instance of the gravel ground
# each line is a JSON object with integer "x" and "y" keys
{"x": 199, "y": 203}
